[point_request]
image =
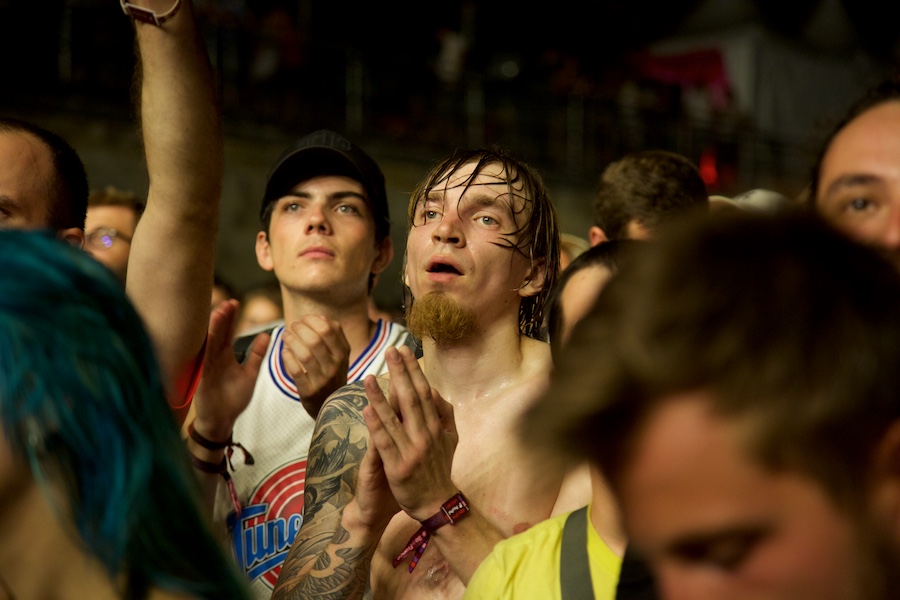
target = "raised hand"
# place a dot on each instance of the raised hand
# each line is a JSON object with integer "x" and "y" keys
{"x": 415, "y": 436}
{"x": 226, "y": 386}
{"x": 316, "y": 354}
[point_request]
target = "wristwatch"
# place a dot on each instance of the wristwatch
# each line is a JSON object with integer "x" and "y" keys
{"x": 145, "y": 15}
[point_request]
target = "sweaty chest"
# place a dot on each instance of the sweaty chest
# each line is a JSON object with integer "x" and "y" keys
{"x": 500, "y": 477}
{"x": 512, "y": 485}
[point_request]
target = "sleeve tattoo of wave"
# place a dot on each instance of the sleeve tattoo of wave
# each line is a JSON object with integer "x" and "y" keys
{"x": 318, "y": 566}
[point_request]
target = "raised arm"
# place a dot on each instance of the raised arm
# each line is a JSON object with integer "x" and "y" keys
{"x": 170, "y": 269}
{"x": 347, "y": 506}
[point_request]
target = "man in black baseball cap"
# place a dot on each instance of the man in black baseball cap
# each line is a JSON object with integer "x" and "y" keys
{"x": 326, "y": 152}
{"x": 325, "y": 234}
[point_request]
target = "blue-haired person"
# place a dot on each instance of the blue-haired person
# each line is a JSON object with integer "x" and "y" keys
{"x": 97, "y": 497}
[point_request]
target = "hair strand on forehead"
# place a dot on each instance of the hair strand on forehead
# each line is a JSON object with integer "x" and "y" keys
{"x": 536, "y": 237}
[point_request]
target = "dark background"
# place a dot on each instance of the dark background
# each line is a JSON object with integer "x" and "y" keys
{"x": 745, "y": 88}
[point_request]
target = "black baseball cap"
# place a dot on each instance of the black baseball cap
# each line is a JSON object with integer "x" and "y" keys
{"x": 325, "y": 152}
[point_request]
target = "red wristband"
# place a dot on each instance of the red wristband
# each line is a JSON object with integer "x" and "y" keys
{"x": 451, "y": 512}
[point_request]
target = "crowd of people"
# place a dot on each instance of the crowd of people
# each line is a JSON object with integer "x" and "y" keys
{"x": 697, "y": 399}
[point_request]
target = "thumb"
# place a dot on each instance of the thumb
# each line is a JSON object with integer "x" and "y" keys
{"x": 256, "y": 354}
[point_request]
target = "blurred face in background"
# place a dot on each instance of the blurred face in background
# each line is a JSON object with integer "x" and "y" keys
{"x": 715, "y": 523}
{"x": 108, "y": 233}
{"x": 859, "y": 179}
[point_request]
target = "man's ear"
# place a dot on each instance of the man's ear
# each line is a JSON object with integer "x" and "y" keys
{"x": 384, "y": 256}
{"x": 405, "y": 269}
{"x": 72, "y": 236}
{"x": 885, "y": 481}
{"x": 534, "y": 280}
{"x": 597, "y": 236}
{"x": 264, "y": 251}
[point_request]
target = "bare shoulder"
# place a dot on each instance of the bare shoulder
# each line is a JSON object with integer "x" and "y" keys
{"x": 536, "y": 354}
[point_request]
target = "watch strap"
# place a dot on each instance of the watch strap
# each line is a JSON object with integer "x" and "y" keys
{"x": 145, "y": 15}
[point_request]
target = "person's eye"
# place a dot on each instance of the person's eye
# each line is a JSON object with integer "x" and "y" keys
{"x": 727, "y": 553}
{"x": 291, "y": 207}
{"x": 487, "y": 220}
{"x": 348, "y": 209}
{"x": 858, "y": 204}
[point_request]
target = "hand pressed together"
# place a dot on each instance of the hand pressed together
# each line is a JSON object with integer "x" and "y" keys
{"x": 415, "y": 436}
{"x": 316, "y": 354}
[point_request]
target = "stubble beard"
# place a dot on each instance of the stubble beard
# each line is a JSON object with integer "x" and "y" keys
{"x": 440, "y": 318}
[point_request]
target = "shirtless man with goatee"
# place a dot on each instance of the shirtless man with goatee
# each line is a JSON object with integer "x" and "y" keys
{"x": 415, "y": 477}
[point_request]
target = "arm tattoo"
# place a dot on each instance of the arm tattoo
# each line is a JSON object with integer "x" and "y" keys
{"x": 320, "y": 564}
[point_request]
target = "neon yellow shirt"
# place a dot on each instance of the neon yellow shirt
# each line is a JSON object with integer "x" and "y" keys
{"x": 527, "y": 566}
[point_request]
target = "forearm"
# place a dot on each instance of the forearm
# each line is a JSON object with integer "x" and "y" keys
{"x": 346, "y": 508}
{"x": 209, "y": 482}
{"x": 180, "y": 121}
{"x": 182, "y": 140}
{"x": 333, "y": 561}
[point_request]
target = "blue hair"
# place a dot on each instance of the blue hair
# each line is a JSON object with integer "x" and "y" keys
{"x": 83, "y": 403}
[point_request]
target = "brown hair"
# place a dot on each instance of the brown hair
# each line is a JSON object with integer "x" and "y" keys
{"x": 111, "y": 196}
{"x": 537, "y": 238}
{"x": 786, "y": 324}
{"x": 649, "y": 187}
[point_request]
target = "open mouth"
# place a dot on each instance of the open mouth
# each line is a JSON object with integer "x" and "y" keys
{"x": 443, "y": 268}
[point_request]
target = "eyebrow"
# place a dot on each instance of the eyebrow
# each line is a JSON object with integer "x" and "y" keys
{"x": 851, "y": 180}
{"x": 485, "y": 200}
{"x": 333, "y": 196}
{"x": 8, "y": 204}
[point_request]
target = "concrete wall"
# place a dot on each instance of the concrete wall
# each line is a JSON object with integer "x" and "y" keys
{"x": 111, "y": 151}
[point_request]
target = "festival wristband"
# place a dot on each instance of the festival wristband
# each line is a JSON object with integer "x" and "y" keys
{"x": 220, "y": 468}
{"x": 228, "y": 445}
{"x": 451, "y": 512}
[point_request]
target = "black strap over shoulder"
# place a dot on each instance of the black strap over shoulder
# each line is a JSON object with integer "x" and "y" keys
{"x": 242, "y": 344}
{"x": 635, "y": 579}
{"x": 574, "y": 569}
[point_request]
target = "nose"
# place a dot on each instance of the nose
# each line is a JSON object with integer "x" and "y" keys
{"x": 889, "y": 239}
{"x": 449, "y": 230}
{"x": 317, "y": 219}
{"x": 890, "y": 234}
